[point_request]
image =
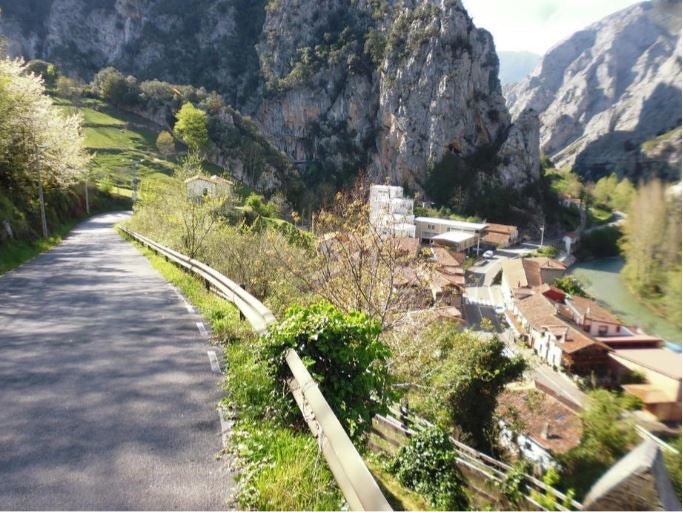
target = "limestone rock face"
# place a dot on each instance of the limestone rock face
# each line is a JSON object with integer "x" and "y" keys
{"x": 341, "y": 87}
{"x": 608, "y": 88}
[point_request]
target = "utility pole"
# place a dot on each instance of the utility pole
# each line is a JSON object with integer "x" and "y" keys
{"x": 542, "y": 233}
{"x": 134, "y": 184}
{"x": 87, "y": 199}
{"x": 41, "y": 197}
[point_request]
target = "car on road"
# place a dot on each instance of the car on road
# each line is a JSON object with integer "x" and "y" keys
{"x": 500, "y": 310}
{"x": 488, "y": 255}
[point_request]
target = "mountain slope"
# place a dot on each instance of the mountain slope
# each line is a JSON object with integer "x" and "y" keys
{"x": 608, "y": 88}
{"x": 385, "y": 87}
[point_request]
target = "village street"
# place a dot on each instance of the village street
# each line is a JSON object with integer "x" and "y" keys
{"x": 481, "y": 301}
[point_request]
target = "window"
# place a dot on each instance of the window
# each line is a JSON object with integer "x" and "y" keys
{"x": 618, "y": 328}
{"x": 602, "y": 330}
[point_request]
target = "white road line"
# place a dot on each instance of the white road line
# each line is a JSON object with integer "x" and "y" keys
{"x": 215, "y": 367}
{"x": 225, "y": 427}
{"x": 202, "y": 329}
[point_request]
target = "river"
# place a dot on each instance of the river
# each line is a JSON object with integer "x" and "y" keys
{"x": 600, "y": 278}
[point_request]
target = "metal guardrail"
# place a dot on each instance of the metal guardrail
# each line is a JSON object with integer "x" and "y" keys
{"x": 649, "y": 435}
{"x": 482, "y": 463}
{"x": 352, "y": 475}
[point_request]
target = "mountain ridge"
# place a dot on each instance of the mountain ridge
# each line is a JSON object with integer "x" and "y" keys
{"x": 389, "y": 88}
{"x": 608, "y": 88}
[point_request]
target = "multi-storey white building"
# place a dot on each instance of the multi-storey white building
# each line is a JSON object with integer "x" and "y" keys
{"x": 391, "y": 212}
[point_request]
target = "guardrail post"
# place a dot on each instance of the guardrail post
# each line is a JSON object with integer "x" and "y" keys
{"x": 241, "y": 285}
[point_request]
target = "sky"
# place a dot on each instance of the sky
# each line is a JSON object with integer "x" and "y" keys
{"x": 537, "y": 25}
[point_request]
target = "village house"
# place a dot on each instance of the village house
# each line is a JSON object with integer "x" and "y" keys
{"x": 592, "y": 317}
{"x": 556, "y": 341}
{"x": 500, "y": 235}
{"x": 661, "y": 370}
{"x": 521, "y": 276}
{"x": 199, "y": 186}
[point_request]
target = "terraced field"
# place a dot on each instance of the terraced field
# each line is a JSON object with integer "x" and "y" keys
{"x": 117, "y": 140}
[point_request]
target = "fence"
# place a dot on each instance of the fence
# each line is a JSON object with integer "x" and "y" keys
{"x": 352, "y": 475}
{"x": 397, "y": 427}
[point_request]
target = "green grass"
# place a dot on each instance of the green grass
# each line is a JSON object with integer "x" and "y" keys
{"x": 17, "y": 252}
{"x": 651, "y": 144}
{"x": 279, "y": 468}
{"x": 398, "y": 496}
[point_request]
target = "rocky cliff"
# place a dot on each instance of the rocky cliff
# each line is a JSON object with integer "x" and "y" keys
{"x": 388, "y": 87}
{"x": 609, "y": 88}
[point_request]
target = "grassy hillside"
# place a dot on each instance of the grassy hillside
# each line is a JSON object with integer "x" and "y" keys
{"x": 117, "y": 139}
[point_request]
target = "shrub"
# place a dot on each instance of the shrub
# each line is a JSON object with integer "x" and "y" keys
{"x": 570, "y": 285}
{"x": 427, "y": 465}
{"x": 106, "y": 185}
{"x": 165, "y": 143}
{"x": 344, "y": 355}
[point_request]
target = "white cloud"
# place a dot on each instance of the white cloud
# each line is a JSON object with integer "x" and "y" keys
{"x": 537, "y": 25}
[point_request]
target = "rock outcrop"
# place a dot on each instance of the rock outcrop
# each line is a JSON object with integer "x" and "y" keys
{"x": 387, "y": 87}
{"x": 608, "y": 88}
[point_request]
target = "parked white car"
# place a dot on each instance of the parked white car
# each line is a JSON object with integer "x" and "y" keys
{"x": 500, "y": 310}
{"x": 488, "y": 255}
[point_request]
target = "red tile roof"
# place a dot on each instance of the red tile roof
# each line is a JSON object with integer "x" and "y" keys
{"x": 592, "y": 310}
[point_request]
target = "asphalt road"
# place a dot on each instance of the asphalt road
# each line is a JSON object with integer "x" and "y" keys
{"x": 107, "y": 399}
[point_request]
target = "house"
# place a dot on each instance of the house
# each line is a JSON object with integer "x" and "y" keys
{"x": 556, "y": 341}
{"x": 548, "y": 426}
{"x": 455, "y": 233}
{"x": 198, "y": 186}
{"x": 661, "y": 369}
{"x": 549, "y": 268}
{"x": 500, "y": 235}
{"x": 593, "y": 318}
{"x": 521, "y": 276}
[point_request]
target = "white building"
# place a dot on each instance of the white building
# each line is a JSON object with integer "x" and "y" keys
{"x": 391, "y": 212}
{"x": 201, "y": 186}
{"x": 457, "y": 233}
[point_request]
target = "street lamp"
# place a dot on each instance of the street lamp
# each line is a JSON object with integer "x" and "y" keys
{"x": 134, "y": 181}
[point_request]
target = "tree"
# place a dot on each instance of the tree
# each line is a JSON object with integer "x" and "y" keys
{"x": 607, "y": 436}
{"x": 570, "y": 285}
{"x": 68, "y": 87}
{"x": 191, "y": 126}
{"x": 652, "y": 239}
{"x": 361, "y": 266}
{"x": 35, "y": 135}
{"x": 165, "y": 143}
{"x": 474, "y": 374}
{"x": 187, "y": 220}
{"x": 603, "y": 190}
{"x": 111, "y": 85}
{"x": 623, "y": 195}
{"x": 454, "y": 377}
{"x": 344, "y": 355}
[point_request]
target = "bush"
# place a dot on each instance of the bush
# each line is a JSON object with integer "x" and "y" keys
{"x": 570, "y": 285}
{"x": 427, "y": 465}
{"x": 165, "y": 143}
{"x": 601, "y": 243}
{"x": 344, "y": 355}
